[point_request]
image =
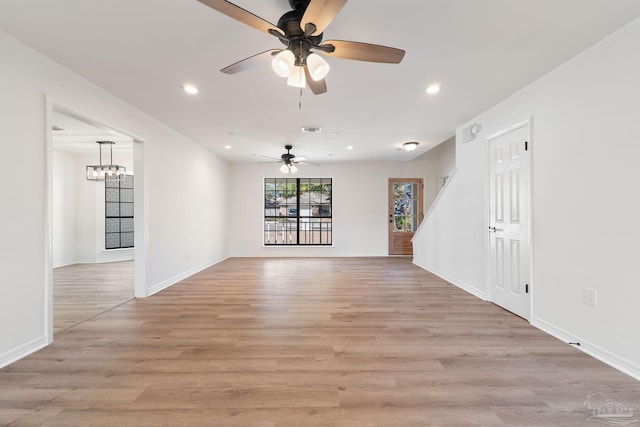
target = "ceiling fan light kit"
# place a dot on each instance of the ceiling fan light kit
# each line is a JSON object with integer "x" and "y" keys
{"x": 296, "y": 77}
{"x": 318, "y": 66}
{"x": 301, "y": 30}
{"x": 283, "y": 63}
{"x": 288, "y": 168}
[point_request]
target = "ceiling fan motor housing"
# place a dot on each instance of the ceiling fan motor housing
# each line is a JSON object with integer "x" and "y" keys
{"x": 294, "y": 37}
{"x": 299, "y": 4}
{"x": 287, "y": 157}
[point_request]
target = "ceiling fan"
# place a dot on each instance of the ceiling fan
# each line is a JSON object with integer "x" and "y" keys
{"x": 289, "y": 161}
{"x": 301, "y": 31}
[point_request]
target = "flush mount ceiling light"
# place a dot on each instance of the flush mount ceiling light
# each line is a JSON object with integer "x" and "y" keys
{"x": 434, "y": 88}
{"x": 190, "y": 89}
{"x": 409, "y": 146}
{"x": 108, "y": 172}
{"x": 301, "y": 31}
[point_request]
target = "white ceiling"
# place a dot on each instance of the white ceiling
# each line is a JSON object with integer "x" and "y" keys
{"x": 481, "y": 51}
{"x": 80, "y": 136}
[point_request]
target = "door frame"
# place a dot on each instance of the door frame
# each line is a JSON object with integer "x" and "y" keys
{"x": 140, "y": 209}
{"x": 420, "y": 214}
{"x": 529, "y": 209}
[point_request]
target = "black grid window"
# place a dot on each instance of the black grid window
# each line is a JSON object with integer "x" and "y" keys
{"x": 297, "y": 211}
{"x": 118, "y": 207}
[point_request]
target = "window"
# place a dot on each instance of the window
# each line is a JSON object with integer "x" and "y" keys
{"x": 297, "y": 211}
{"x": 118, "y": 207}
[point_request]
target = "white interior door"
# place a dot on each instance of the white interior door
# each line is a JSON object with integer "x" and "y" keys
{"x": 510, "y": 269}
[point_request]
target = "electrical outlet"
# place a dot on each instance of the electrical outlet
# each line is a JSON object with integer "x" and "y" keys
{"x": 589, "y": 297}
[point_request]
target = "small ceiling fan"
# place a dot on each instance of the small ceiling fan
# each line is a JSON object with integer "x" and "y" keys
{"x": 289, "y": 161}
{"x": 301, "y": 31}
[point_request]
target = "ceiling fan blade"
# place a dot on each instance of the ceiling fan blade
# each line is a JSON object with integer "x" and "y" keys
{"x": 242, "y": 15}
{"x": 299, "y": 159}
{"x": 250, "y": 62}
{"x": 317, "y": 87}
{"x": 363, "y": 51}
{"x": 320, "y": 13}
{"x": 308, "y": 163}
{"x": 277, "y": 159}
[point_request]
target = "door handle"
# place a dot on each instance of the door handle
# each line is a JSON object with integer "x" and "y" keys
{"x": 494, "y": 229}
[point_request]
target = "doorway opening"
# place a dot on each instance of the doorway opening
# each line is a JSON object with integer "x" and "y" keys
{"x": 89, "y": 273}
{"x": 405, "y": 213}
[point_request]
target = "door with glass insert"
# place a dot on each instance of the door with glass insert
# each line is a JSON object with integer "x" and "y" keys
{"x": 405, "y": 213}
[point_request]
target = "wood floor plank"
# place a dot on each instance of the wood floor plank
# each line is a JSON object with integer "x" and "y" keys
{"x": 303, "y": 342}
{"x": 81, "y": 291}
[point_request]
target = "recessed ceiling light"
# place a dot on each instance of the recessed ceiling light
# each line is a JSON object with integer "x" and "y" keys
{"x": 190, "y": 89}
{"x": 434, "y": 88}
{"x": 350, "y": 147}
{"x": 228, "y": 147}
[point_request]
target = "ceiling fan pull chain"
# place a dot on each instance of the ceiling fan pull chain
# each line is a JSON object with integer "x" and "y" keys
{"x": 300, "y": 100}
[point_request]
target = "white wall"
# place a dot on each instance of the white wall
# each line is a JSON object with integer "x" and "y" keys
{"x": 78, "y": 211}
{"x": 359, "y": 208}
{"x": 360, "y": 203}
{"x": 585, "y": 174}
{"x": 64, "y": 209}
{"x": 186, "y": 209}
{"x": 434, "y": 165}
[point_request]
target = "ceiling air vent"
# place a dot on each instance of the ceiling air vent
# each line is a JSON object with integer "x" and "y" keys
{"x": 314, "y": 129}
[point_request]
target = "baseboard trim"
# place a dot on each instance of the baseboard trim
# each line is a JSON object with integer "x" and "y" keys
{"x": 64, "y": 264}
{"x": 15, "y": 354}
{"x": 286, "y": 252}
{"x": 175, "y": 279}
{"x": 620, "y": 363}
{"x": 459, "y": 283}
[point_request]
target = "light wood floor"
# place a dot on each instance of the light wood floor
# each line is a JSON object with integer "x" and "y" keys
{"x": 308, "y": 342}
{"x": 81, "y": 291}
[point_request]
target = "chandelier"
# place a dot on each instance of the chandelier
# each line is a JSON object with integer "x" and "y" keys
{"x": 108, "y": 172}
